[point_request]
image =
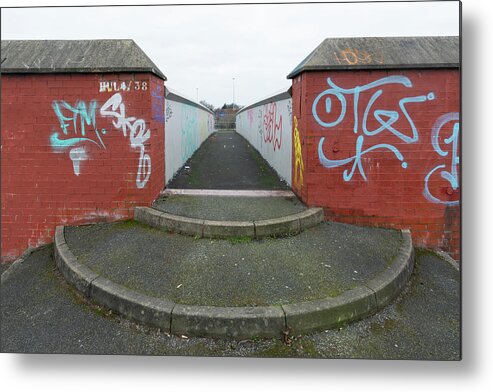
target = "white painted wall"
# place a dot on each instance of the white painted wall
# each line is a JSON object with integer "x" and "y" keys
{"x": 268, "y": 128}
{"x": 186, "y": 128}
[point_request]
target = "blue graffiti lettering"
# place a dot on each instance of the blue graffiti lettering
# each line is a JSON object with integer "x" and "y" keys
{"x": 385, "y": 118}
{"x": 76, "y": 120}
{"x": 189, "y": 135}
{"x": 157, "y": 105}
{"x": 452, "y": 175}
{"x": 347, "y": 176}
{"x": 79, "y": 117}
{"x": 58, "y": 143}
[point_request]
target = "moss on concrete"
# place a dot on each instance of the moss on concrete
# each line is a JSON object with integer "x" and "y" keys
{"x": 320, "y": 262}
{"x": 426, "y": 324}
{"x": 300, "y": 347}
{"x": 378, "y": 328}
{"x": 268, "y": 177}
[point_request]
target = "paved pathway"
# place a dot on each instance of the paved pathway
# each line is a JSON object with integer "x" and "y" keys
{"x": 42, "y": 314}
{"x": 227, "y": 161}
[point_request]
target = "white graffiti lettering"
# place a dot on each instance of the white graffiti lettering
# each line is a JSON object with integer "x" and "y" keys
{"x": 114, "y": 107}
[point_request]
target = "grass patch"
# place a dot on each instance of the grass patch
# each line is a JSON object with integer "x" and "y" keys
{"x": 128, "y": 223}
{"x": 378, "y": 329}
{"x": 334, "y": 293}
{"x": 420, "y": 252}
{"x": 194, "y": 178}
{"x": 268, "y": 178}
{"x": 299, "y": 348}
{"x": 240, "y": 240}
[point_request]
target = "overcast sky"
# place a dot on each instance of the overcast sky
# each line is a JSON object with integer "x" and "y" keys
{"x": 205, "y": 47}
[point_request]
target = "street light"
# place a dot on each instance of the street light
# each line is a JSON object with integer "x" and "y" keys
{"x": 233, "y": 93}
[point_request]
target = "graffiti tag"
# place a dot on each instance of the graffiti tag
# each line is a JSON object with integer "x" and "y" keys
{"x": 115, "y": 108}
{"x": 272, "y": 130}
{"x": 168, "y": 111}
{"x": 385, "y": 118}
{"x": 354, "y": 56}
{"x": 298, "y": 158}
{"x": 450, "y": 176}
{"x": 260, "y": 128}
{"x": 250, "y": 117}
{"x": 210, "y": 123}
{"x": 157, "y": 104}
{"x": 189, "y": 142}
{"x": 78, "y": 127}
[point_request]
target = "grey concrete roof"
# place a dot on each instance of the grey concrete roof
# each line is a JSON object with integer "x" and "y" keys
{"x": 54, "y": 56}
{"x": 382, "y": 53}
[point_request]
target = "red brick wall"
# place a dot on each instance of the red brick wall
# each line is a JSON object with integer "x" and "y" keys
{"x": 400, "y": 177}
{"x": 51, "y": 178}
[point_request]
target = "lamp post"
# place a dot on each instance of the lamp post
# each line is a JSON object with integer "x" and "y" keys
{"x": 233, "y": 93}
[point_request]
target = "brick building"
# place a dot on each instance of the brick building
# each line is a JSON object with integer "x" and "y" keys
{"x": 376, "y": 134}
{"x": 82, "y": 136}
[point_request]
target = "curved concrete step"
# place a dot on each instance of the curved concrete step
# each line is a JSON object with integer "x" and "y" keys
{"x": 242, "y": 321}
{"x": 204, "y": 228}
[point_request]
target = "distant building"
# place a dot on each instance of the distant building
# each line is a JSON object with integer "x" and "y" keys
{"x": 226, "y": 118}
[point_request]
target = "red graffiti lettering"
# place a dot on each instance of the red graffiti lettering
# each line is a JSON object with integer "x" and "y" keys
{"x": 272, "y": 127}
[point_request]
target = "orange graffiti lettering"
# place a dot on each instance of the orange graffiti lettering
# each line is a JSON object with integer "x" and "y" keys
{"x": 351, "y": 56}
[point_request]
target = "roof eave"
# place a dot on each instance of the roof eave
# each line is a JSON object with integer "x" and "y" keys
{"x": 312, "y": 68}
{"x": 82, "y": 70}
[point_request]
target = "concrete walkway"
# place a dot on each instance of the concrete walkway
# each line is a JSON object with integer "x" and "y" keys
{"x": 229, "y": 208}
{"x": 42, "y": 314}
{"x": 320, "y": 262}
{"x": 227, "y": 161}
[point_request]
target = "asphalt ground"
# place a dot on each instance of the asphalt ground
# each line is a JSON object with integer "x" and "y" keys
{"x": 229, "y": 207}
{"x": 320, "y": 262}
{"x": 227, "y": 161}
{"x": 41, "y": 313}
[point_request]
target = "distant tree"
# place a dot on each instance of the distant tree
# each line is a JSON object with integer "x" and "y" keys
{"x": 230, "y": 106}
{"x": 208, "y": 105}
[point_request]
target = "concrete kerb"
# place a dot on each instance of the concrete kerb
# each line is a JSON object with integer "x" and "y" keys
{"x": 239, "y": 322}
{"x": 74, "y": 272}
{"x": 228, "y": 229}
{"x": 356, "y": 303}
{"x": 388, "y": 284}
{"x": 283, "y": 226}
{"x": 231, "y": 322}
{"x": 16, "y": 264}
{"x": 129, "y": 303}
{"x": 152, "y": 311}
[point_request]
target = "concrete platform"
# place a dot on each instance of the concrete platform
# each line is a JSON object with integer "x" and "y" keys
{"x": 325, "y": 276}
{"x": 230, "y": 217}
{"x": 231, "y": 208}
